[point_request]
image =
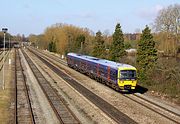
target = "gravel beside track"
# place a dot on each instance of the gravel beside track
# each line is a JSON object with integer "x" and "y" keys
{"x": 110, "y": 110}
{"x": 174, "y": 115}
{"x": 23, "y": 110}
{"x": 42, "y": 110}
{"x": 161, "y": 109}
{"x": 60, "y": 108}
{"x": 84, "y": 109}
{"x": 170, "y": 115}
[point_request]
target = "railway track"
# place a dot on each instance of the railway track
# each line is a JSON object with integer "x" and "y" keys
{"x": 63, "y": 113}
{"x": 2, "y": 55}
{"x": 1, "y": 58}
{"x": 107, "y": 108}
{"x": 168, "y": 113}
{"x": 23, "y": 109}
{"x": 163, "y": 107}
{"x": 163, "y": 111}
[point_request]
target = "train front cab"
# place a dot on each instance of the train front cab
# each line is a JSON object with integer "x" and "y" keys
{"x": 127, "y": 78}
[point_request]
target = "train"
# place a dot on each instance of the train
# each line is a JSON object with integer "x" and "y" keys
{"x": 119, "y": 76}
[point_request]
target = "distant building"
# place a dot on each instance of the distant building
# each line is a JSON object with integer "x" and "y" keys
{"x": 131, "y": 51}
{"x": 131, "y": 37}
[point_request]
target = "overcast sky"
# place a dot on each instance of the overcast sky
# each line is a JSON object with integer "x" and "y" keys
{"x": 33, "y": 16}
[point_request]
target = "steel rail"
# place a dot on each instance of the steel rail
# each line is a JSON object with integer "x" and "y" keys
{"x": 107, "y": 108}
{"x": 23, "y": 108}
{"x": 62, "y": 111}
{"x": 150, "y": 102}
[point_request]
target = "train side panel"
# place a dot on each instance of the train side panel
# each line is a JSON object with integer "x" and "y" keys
{"x": 100, "y": 72}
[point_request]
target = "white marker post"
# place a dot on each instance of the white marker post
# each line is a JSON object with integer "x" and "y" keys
{"x": 9, "y": 53}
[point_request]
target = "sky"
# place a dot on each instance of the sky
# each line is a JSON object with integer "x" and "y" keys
{"x": 34, "y": 16}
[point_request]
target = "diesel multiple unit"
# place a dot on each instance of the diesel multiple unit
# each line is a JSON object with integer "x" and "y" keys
{"x": 117, "y": 75}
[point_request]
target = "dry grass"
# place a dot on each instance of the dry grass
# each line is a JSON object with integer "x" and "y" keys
{"x": 4, "y": 106}
{"x": 165, "y": 79}
{"x": 6, "y": 97}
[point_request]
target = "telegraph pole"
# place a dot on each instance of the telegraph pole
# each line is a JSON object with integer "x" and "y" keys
{"x": 4, "y": 30}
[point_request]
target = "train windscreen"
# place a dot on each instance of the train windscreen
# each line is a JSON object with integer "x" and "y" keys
{"x": 128, "y": 74}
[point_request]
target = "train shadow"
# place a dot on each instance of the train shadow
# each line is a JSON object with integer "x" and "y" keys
{"x": 139, "y": 89}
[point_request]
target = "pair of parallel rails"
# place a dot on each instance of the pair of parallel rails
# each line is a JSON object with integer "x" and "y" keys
{"x": 3, "y": 55}
{"x": 169, "y": 114}
{"x": 107, "y": 108}
{"x": 23, "y": 108}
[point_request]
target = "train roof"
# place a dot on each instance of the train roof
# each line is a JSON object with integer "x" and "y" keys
{"x": 101, "y": 61}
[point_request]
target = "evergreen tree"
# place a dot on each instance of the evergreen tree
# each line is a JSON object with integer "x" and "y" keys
{"x": 78, "y": 45}
{"x": 99, "y": 47}
{"x": 52, "y": 47}
{"x": 146, "y": 53}
{"x": 127, "y": 45}
{"x": 117, "y": 49}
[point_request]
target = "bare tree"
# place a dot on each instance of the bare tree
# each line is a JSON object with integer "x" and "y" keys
{"x": 168, "y": 19}
{"x": 167, "y": 22}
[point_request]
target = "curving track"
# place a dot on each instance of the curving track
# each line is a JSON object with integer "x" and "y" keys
{"x": 107, "y": 108}
{"x": 61, "y": 110}
{"x": 170, "y": 114}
